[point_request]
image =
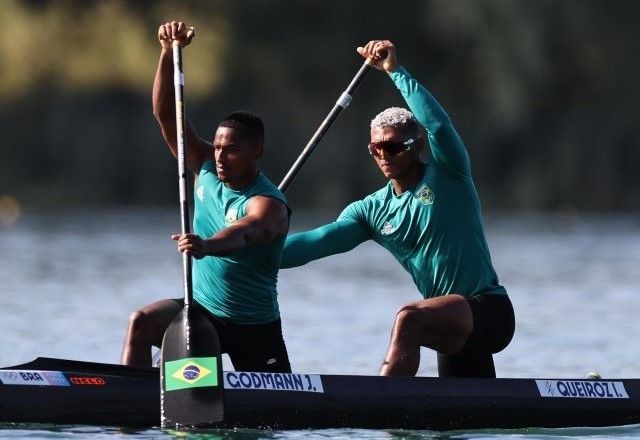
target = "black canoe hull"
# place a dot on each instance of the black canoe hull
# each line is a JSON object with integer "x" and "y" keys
{"x": 106, "y": 394}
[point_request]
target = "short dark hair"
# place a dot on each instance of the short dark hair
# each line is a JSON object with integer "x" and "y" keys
{"x": 247, "y": 122}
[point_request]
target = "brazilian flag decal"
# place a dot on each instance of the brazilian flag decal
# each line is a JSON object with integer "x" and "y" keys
{"x": 190, "y": 373}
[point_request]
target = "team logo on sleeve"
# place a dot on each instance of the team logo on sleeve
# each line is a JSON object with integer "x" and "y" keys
{"x": 388, "y": 228}
{"x": 200, "y": 193}
{"x": 425, "y": 195}
{"x": 231, "y": 216}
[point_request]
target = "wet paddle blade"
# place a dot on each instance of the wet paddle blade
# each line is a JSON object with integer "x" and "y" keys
{"x": 191, "y": 373}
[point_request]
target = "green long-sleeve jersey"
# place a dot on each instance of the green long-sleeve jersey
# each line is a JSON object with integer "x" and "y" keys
{"x": 434, "y": 229}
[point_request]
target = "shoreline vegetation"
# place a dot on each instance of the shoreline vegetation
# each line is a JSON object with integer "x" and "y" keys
{"x": 541, "y": 92}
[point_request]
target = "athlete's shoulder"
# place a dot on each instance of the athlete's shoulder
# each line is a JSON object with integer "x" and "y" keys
{"x": 380, "y": 196}
{"x": 365, "y": 208}
{"x": 208, "y": 176}
{"x": 263, "y": 186}
{"x": 208, "y": 166}
{"x": 265, "y": 189}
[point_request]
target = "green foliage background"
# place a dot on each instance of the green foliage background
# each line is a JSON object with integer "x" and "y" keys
{"x": 543, "y": 92}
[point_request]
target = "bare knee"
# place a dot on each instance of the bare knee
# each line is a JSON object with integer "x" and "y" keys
{"x": 141, "y": 327}
{"x": 137, "y": 320}
{"x": 409, "y": 320}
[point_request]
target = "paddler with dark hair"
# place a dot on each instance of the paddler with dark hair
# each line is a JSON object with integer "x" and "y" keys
{"x": 240, "y": 223}
{"x": 428, "y": 216}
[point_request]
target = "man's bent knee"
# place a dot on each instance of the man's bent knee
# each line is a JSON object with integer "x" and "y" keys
{"x": 408, "y": 319}
{"x": 440, "y": 325}
{"x": 141, "y": 326}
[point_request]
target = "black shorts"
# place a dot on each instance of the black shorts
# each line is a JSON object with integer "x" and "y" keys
{"x": 493, "y": 328}
{"x": 251, "y": 347}
{"x": 493, "y": 323}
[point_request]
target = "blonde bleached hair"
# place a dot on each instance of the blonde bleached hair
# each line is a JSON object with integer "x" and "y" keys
{"x": 398, "y": 118}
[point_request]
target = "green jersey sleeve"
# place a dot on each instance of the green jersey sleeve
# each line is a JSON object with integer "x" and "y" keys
{"x": 342, "y": 235}
{"x": 447, "y": 149}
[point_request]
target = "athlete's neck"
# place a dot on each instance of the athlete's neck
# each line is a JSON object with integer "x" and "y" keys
{"x": 409, "y": 179}
{"x": 242, "y": 182}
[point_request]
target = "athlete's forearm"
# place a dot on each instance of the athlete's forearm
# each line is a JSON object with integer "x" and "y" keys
{"x": 164, "y": 110}
{"x": 446, "y": 145}
{"x": 163, "y": 100}
{"x": 333, "y": 238}
{"x": 424, "y": 106}
{"x": 224, "y": 243}
{"x": 234, "y": 239}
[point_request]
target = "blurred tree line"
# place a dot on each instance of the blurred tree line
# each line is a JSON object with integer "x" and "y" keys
{"x": 542, "y": 91}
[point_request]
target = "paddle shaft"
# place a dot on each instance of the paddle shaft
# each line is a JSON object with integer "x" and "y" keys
{"x": 343, "y": 101}
{"x": 191, "y": 369}
{"x": 178, "y": 85}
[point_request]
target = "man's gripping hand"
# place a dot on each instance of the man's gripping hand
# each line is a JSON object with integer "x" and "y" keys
{"x": 192, "y": 244}
{"x": 175, "y": 30}
{"x": 383, "y": 54}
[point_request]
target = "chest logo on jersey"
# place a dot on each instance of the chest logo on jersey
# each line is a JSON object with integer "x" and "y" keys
{"x": 231, "y": 216}
{"x": 425, "y": 195}
{"x": 388, "y": 229}
{"x": 200, "y": 193}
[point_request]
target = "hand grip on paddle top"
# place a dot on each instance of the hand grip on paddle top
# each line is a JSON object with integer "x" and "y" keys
{"x": 382, "y": 53}
{"x": 175, "y": 31}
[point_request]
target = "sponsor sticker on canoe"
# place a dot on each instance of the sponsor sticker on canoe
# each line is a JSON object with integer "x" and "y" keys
{"x": 310, "y": 383}
{"x": 87, "y": 381}
{"x": 582, "y": 389}
{"x": 33, "y": 377}
{"x": 191, "y": 373}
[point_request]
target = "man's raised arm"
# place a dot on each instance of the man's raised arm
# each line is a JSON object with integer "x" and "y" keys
{"x": 163, "y": 97}
{"x": 445, "y": 143}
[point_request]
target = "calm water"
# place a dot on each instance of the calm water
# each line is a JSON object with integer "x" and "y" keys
{"x": 69, "y": 281}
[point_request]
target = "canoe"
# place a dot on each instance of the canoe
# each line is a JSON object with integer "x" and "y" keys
{"x": 60, "y": 391}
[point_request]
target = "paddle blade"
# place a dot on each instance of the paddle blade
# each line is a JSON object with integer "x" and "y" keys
{"x": 191, "y": 373}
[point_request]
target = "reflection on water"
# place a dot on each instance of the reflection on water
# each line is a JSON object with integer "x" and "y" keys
{"x": 69, "y": 281}
{"x": 47, "y": 432}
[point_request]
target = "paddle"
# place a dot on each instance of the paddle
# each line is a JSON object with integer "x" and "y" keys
{"x": 191, "y": 386}
{"x": 191, "y": 367}
{"x": 343, "y": 101}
